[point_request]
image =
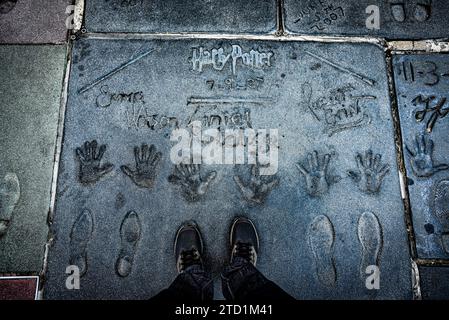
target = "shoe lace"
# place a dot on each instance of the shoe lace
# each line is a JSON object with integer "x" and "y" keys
{"x": 189, "y": 258}
{"x": 244, "y": 250}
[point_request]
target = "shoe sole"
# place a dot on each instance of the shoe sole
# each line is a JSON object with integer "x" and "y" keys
{"x": 370, "y": 237}
{"x": 321, "y": 238}
{"x": 80, "y": 237}
{"x": 130, "y": 235}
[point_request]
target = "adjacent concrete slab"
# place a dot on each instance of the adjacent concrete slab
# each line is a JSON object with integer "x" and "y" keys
{"x": 19, "y": 288}
{"x": 321, "y": 223}
{"x": 234, "y": 16}
{"x": 398, "y": 19}
{"x": 34, "y": 21}
{"x": 422, "y": 84}
{"x": 30, "y": 84}
{"x": 434, "y": 283}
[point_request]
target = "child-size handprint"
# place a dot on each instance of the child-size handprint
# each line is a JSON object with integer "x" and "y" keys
{"x": 371, "y": 172}
{"x": 317, "y": 177}
{"x": 421, "y": 157}
{"x": 147, "y": 159}
{"x": 258, "y": 187}
{"x": 91, "y": 170}
{"x": 193, "y": 185}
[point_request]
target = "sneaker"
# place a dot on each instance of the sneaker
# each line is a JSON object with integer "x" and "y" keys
{"x": 188, "y": 247}
{"x": 244, "y": 240}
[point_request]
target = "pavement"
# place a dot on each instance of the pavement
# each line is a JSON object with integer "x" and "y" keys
{"x": 341, "y": 113}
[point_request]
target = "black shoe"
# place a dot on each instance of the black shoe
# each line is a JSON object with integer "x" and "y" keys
{"x": 244, "y": 240}
{"x": 188, "y": 247}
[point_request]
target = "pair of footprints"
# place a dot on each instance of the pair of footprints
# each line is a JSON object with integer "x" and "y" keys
{"x": 193, "y": 184}
{"x": 421, "y": 10}
{"x": 321, "y": 238}
{"x": 9, "y": 196}
{"x": 369, "y": 175}
{"x": 81, "y": 234}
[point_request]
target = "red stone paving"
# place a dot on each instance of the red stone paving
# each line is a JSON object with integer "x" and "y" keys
{"x": 18, "y": 289}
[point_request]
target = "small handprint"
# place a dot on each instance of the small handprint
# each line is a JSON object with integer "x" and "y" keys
{"x": 147, "y": 160}
{"x": 371, "y": 172}
{"x": 90, "y": 156}
{"x": 421, "y": 157}
{"x": 258, "y": 187}
{"x": 317, "y": 177}
{"x": 193, "y": 186}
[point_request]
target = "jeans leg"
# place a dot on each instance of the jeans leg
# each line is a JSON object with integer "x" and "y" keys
{"x": 241, "y": 281}
{"x": 194, "y": 284}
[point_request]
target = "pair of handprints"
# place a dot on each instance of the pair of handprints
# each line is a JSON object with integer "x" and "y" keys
{"x": 369, "y": 175}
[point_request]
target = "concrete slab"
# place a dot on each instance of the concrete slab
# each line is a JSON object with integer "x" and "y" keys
{"x": 422, "y": 83}
{"x": 344, "y": 212}
{"x": 235, "y": 16}
{"x": 34, "y": 21}
{"x": 31, "y": 85}
{"x": 18, "y": 288}
{"x": 434, "y": 283}
{"x": 398, "y": 19}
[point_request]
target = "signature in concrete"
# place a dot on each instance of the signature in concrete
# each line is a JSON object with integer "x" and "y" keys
{"x": 339, "y": 110}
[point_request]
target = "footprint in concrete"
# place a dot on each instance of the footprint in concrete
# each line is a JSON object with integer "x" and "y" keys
{"x": 7, "y": 5}
{"x": 321, "y": 241}
{"x": 130, "y": 232}
{"x": 445, "y": 241}
{"x": 441, "y": 210}
{"x": 398, "y": 10}
{"x": 422, "y": 10}
{"x": 79, "y": 239}
{"x": 441, "y": 202}
{"x": 370, "y": 237}
{"x": 9, "y": 196}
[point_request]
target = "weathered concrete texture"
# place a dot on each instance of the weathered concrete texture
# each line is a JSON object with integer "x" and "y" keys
{"x": 422, "y": 84}
{"x": 34, "y": 21}
{"x": 319, "y": 229}
{"x": 399, "y": 19}
{"x": 434, "y": 283}
{"x": 228, "y": 16}
{"x": 30, "y": 83}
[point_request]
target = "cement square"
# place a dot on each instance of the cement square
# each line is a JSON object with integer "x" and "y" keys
{"x": 34, "y": 21}
{"x": 219, "y": 16}
{"x": 31, "y": 85}
{"x": 125, "y": 93}
{"x": 422, "y": 84}
{"x": 397, "y": 19}
{"x": 434, "y": 283}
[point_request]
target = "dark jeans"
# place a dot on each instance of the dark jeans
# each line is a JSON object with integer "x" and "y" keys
{"x": 241, "y": 281}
